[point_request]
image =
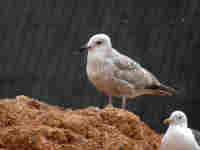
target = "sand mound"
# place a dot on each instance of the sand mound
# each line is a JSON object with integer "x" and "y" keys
{"x": 27, "y": 124}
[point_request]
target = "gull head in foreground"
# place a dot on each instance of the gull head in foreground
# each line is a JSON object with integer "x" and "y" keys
{"x": 178, "y": 135}
{"x": 115, "y": 74}
{"x": 177, "y": 118}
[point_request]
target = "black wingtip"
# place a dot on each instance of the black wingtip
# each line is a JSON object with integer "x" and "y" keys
{"x": 168, "y": 90}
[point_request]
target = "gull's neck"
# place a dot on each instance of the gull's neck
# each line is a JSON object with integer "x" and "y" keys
{"x": 100, "y": 52}
{"x": 177, "y": 125}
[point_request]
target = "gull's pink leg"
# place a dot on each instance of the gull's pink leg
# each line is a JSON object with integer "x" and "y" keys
{"x": 123, "y": 102}
{"x": 110, "y": 101}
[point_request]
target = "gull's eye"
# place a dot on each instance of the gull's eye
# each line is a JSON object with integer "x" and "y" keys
{"x": 179, "y": 117}
{"x": 99, "y": 42}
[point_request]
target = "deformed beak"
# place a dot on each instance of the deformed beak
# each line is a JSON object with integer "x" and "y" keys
{"x": 167, "y": 121}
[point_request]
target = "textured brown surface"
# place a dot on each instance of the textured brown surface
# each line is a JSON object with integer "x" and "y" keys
{"x": 38, "y": 39}
{"x": 31, "y": 125}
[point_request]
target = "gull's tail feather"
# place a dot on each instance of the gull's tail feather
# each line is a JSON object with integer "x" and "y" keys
{"x": 168, "y": 89}
{"x": 162, "y": 89}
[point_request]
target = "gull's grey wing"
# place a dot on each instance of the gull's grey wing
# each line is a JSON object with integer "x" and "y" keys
{"x": 196, "y": 134}
{"x": 129, "y": 70}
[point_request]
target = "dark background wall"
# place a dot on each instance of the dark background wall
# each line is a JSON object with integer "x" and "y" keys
{"x": 38, "y": 38}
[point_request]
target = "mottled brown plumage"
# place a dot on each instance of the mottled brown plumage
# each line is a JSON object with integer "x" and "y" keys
{"x": 118, "y": 75}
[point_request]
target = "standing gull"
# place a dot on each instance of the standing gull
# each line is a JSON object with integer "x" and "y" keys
{"x": 115, "y": 74}
{"x": 178, "y": 135}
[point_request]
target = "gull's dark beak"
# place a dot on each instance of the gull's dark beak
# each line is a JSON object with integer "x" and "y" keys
{"x": 83, "y": 48}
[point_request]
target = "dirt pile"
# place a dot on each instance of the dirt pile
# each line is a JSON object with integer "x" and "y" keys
{"x": 27, "y": 124}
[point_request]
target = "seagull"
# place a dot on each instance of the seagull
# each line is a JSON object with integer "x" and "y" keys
{"x": 115, "y": 74}
{"x": 178, "y": 135}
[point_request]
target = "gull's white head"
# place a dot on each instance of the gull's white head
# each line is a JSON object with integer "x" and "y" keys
{"x": 97, "y": 42}
{"x": 177, "y": 118}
